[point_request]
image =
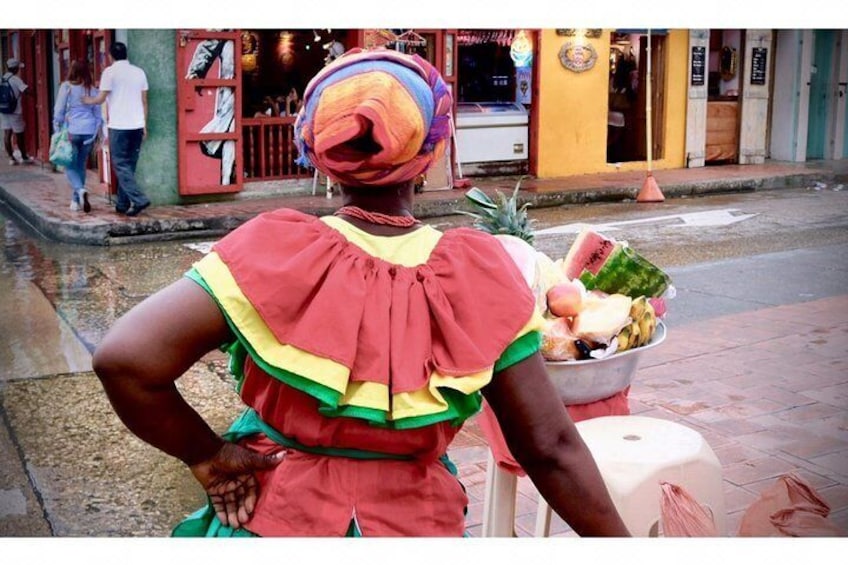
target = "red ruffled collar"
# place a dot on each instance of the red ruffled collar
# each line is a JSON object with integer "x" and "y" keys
{"x": 390, "y": 324}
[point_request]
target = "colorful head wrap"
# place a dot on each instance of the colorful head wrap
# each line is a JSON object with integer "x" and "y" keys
{"x": 374, "y": 118}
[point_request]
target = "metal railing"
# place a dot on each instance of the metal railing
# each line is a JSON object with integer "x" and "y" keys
{"x": 269, "y": 149}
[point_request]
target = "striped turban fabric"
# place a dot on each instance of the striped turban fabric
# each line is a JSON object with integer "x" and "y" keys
{"x": 374, "y": 118}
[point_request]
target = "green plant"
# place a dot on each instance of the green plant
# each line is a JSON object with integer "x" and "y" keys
{"x": 502, "y": 215}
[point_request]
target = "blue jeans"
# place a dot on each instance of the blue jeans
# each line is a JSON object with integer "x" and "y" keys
{"x": 75, "y": 172}
{"x": 124, "y": 148}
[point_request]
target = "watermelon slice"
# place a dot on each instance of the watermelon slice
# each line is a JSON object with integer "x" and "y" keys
{"x": 603, "y": 264}
{"x": 588, "y": 253}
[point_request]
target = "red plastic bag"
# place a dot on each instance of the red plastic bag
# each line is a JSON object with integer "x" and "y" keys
{"x": 790, "y": 507}
{"x": 682, "y": 516}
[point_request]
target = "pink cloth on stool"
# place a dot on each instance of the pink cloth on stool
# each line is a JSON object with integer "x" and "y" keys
{"x": 615, "y": 405}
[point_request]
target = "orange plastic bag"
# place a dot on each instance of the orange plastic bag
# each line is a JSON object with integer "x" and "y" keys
{"x": 682, "y": 516}
{"x": 790, "y": 507}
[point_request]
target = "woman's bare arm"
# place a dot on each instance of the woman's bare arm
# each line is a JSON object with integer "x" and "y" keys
{"x": 138, "y": 363}
{"x": 143, "y": 355}
{"x": 545, "y": 442}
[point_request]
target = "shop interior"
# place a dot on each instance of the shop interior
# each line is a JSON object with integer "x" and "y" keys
{"x": 723, "y": 89}
{"x": 487, "y": 72}
{"x": 494, "y": 97}
{"x": 627, "y": 110}
{"x": 278, "y": 64}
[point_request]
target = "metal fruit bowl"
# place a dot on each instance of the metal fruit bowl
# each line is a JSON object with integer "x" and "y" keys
{"x": 589, "y": 380}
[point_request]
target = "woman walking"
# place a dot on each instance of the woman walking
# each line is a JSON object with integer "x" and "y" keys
{"x": 83, "y": 122}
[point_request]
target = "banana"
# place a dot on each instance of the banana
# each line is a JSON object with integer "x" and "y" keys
{"x": 635, "y": 332}
{"x": 648, "y": 323}
{"x": 642, "y": 327}
{"x": 623, "y": 338}
{"x": 638, "y": 307}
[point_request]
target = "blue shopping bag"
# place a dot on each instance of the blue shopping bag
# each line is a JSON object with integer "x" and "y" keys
{"x": 61, "y": 149}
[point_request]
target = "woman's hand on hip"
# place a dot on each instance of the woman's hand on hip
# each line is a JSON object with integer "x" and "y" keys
{"x": 229, "y": 480}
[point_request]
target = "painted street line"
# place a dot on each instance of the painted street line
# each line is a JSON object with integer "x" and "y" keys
{"x": 710, "y": 218}
{"x": 203, "y": 247}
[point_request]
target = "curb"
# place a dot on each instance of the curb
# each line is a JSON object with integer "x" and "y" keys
{"x": 149, "y": 230}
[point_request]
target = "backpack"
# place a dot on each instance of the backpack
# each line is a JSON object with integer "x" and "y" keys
{"x": 8, "y": 98}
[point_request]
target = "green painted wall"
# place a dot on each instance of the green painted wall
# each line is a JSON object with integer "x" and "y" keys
{"x": 155, "y": 51}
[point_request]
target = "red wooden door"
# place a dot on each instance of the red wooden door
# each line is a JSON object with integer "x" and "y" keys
{"x": 209, "y": 141}
{"x": 101, "y": 40}
{"x": 26, "y": 45}
{"x": 43, "y": 111}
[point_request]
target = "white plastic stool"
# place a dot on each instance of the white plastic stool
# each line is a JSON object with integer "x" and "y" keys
{"x": 636, "y": 453}
{"x": 499, "y": 501}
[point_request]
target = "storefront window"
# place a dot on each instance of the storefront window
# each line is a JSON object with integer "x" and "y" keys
{"x": 723, "y": 64}
{"x": 278, "y": 64}
{"x": 627, "y": 117}
{"x": 493, "y": 85}
{"x": 487, "y": 71}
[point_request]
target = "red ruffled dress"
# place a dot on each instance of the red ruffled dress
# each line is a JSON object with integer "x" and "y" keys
{"x": 361, "y": 356}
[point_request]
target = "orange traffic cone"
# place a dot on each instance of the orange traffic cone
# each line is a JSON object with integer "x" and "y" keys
{"x": 650, "y": 191}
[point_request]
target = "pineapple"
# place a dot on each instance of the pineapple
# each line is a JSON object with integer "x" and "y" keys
{"x": 501, "y": 217}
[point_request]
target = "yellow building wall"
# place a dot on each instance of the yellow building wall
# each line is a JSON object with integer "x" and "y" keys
{"x": 572, "y": 134}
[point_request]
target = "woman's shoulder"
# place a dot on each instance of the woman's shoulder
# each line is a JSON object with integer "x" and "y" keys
{"x": 276, "y": 228}
{"x": 464, "y": 240}
{"x": 70, "y": 88}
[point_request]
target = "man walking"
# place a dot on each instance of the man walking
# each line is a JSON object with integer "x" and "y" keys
{"x": 11, "y": 111}
{"x": 124, "y": 89}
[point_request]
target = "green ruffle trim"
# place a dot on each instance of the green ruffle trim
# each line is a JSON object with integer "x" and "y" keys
{"x": 204, "y": 523}
{"x": 461, "y": 406}
{"x": 249, "y": 423}
{"x": 519, "y": 350}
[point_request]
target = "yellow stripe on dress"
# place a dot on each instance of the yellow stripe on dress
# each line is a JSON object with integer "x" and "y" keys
{"x": 423, "y": 402}
{"x": 408, "y": 250}
{"x": 366, "y": 395}
{"x": 241, "y": 312}
{"x": 429, "y": 400}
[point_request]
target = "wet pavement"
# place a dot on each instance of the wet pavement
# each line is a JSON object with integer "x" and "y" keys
{"x": 756, "y": 361}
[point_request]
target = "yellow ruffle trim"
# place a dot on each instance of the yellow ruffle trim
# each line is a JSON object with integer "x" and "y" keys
{"x": 326, "y": 372}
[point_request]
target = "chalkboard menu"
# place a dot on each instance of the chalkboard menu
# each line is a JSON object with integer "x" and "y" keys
{"x": 759, "y": 58}
{"x": 699, "y": 58}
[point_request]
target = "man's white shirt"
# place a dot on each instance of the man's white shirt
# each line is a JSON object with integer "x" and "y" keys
{"x": 124, "y": 84}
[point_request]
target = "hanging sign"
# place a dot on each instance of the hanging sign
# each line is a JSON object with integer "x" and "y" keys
{"x": 759, "y": 57}
{"x": 521, "y": 50}
{"x": 699, "y": 59}
{"x": 577, "y": 57}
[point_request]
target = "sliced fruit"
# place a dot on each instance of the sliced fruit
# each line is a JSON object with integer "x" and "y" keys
{"x": 601, "y": 318}
{"x": 588, "y": 253}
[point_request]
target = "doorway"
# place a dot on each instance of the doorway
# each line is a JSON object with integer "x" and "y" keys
{"x": 276, "y": 66}
{"x": 820, "y": 120}
{"x": 724, "y": 87}
{"x": 627, "y": 96}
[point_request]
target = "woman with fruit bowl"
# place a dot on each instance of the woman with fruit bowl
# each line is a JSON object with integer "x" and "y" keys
{"x": 360, "y": 342}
